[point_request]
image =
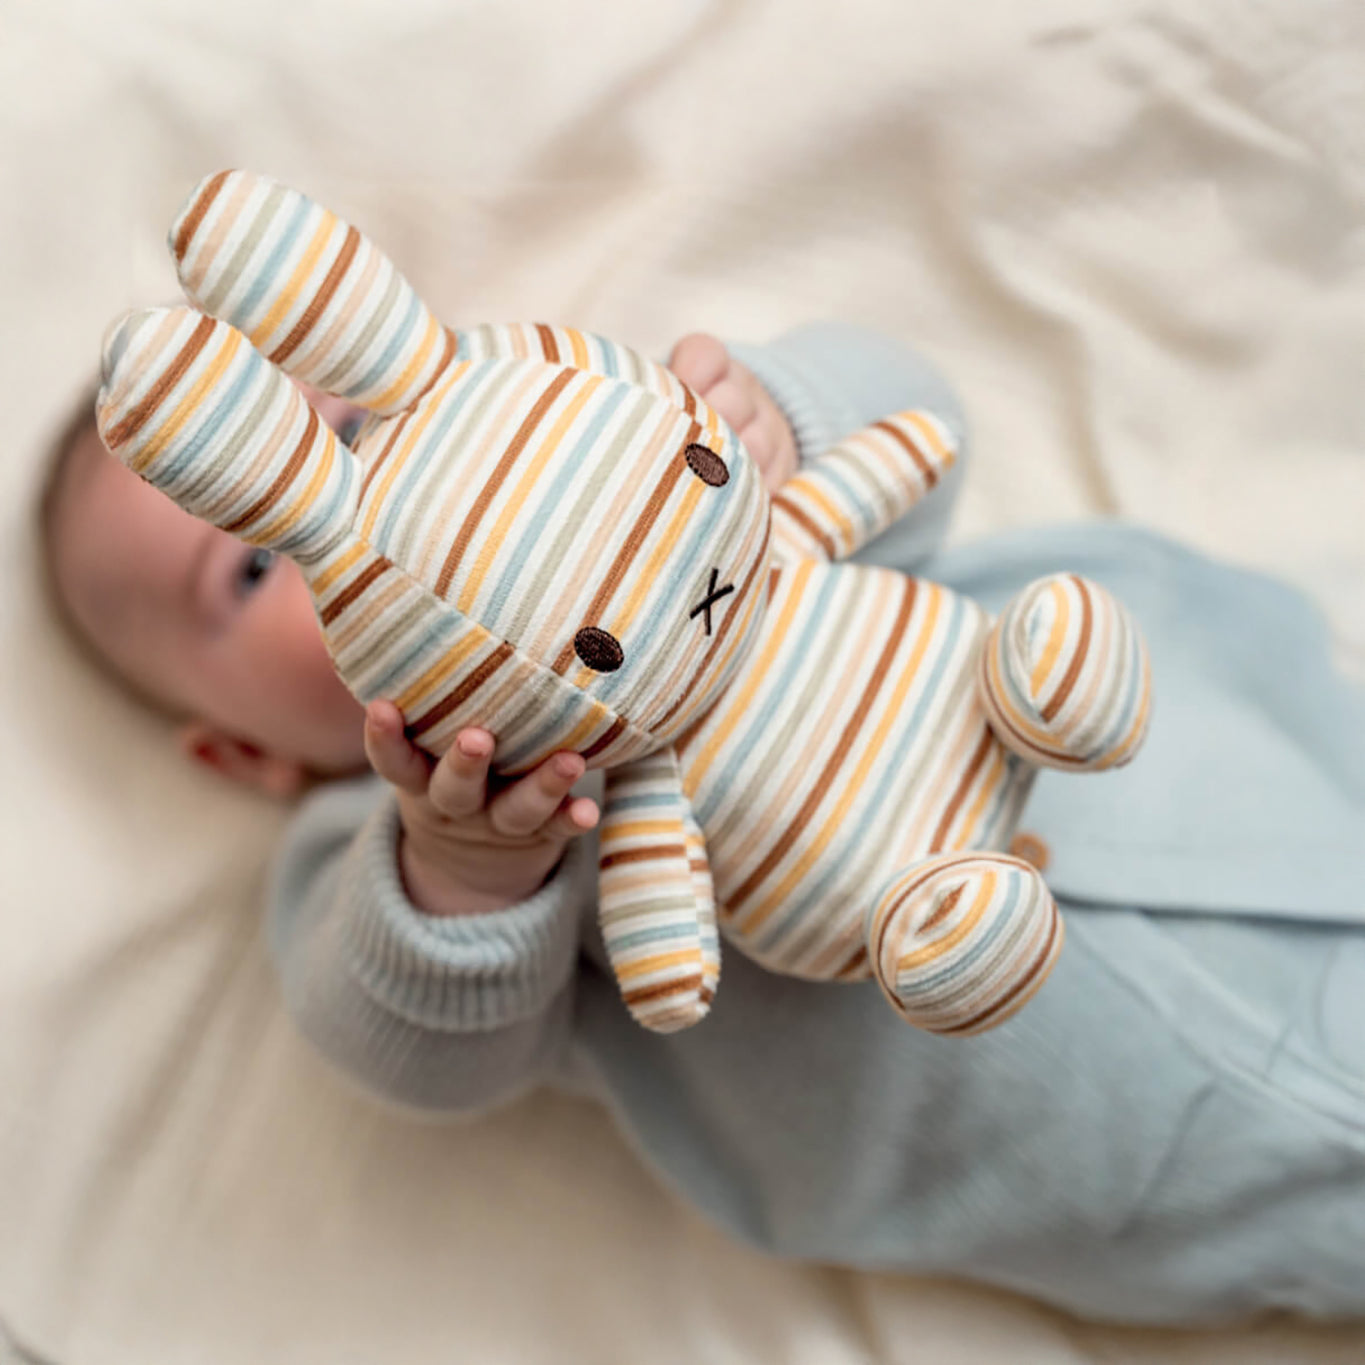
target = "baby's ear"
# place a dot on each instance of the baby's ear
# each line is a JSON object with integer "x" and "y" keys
{"x": 192, "y": 407}
{"x": 312, "y": 293}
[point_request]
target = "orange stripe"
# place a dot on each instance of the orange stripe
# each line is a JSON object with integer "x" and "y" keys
{"x": 167, "y": 431}
{"x": 293, "y": 286}
{"x": 171, "y": 376}
{"x": 320, "y": 300}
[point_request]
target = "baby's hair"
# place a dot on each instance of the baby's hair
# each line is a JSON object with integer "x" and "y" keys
{"x": 58, "y": 472}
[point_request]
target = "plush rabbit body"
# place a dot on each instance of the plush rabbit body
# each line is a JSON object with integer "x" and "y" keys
{"x": 542, "y": 533}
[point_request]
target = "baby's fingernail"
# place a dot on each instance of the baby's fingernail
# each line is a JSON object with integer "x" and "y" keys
{"x": 472, "y": 746}
{"x": 567, "y": 765}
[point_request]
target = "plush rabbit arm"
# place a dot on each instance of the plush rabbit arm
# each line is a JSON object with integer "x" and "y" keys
{"x": 656, "y": 903}
{"x": 848, "y": 496}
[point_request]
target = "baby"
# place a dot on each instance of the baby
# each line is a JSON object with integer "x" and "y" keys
{"x": 1173, "y": 1130}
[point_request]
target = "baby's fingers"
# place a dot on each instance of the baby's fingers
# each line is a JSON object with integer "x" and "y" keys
{"x": 572, "y": 818}
{"x": 526, "y": 806}
{"x": 459, "y": 786}
{"x": 390, "y": 752}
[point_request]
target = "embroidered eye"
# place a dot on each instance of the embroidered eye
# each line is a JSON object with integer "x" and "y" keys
{"x": 599, "y": 649}
{"x": 707, "y": 465}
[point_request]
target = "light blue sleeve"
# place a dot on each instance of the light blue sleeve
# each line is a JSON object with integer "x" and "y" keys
{"x": 450, "y": 1014}
{"x": 830, "y": 379}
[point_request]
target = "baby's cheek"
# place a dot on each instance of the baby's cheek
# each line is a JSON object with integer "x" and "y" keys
{"x": 316, "y": 697}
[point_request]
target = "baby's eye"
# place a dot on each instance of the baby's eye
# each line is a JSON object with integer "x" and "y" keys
{"x": 350, "y": 428}
{"x": 253, "y": 568}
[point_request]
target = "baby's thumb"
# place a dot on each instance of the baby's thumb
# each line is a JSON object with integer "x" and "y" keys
{"x": 190, "y": 405}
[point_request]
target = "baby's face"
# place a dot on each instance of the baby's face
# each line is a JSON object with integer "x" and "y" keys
{"x": 196, "y": 618}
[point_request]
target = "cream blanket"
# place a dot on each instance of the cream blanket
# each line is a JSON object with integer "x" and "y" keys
{"x": 1133, "y": 235}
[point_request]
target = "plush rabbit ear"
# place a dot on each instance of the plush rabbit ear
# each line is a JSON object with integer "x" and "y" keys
{"x": 312, "y": 293}
{"x": 193, "y": 408}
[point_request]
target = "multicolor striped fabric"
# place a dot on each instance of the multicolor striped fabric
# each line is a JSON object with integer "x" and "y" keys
{"x": 541, "y": 532}
{"x": 946, "y": 933}
{"x": 654, "y": 879}
{"x": 1065, "y": 676}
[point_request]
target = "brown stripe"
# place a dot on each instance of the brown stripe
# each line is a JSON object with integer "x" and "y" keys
{"x": 468, "y": 686}
{"x": 1077, "y": 657}
{"x": 960, "y": 795}
{"x": 923, "y": 465}
{"x": 627, "y": 552}
{"x": 945, "y": 907}
{"x": 376, "y": 568}
{"x": 887, "y": 916}
{"x": 854, "y": 964}
{"x": 495, "y": 480}
{"x": 372, "y": 468}
{"x": 685, "y": 983}
{"x": 321, "y": 299}
{"x": 282, "y": 480}
{"x": 195, "y": 216}
{"x": 1028, "y": 980}
{"x": 1022, "y": 745}
{"x": 446, "y": 353}
{"x": 802, "y": 520}
{"x": 821, "y": 786}
{"x": 547, "y": 342}
{"x": 604, "y": 740}
{"x": 170, "y": 377}
{"x": 641, "y": 855}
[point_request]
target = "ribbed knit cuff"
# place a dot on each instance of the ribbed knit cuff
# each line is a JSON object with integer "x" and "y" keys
{"x": 455, "y": 973}
{"x": 833, "y": 378}
{"x": 815, "y": 418}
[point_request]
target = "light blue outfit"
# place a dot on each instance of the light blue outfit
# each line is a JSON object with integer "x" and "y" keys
{"x": 1173, "y": 1130}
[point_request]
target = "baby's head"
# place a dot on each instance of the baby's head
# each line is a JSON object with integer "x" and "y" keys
{"x": 215, "y": 633}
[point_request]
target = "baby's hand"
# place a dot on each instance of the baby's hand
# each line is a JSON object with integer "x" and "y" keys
{"x": 467, "y": 848}
{"x": 704, "y": 364}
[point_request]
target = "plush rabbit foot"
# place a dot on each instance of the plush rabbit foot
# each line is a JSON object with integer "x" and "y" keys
{"x": 958, "y": 943}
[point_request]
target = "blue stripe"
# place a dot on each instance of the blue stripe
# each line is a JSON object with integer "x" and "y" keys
{"x": 401, "y": 338}
{"x": 1130, "y": 702}
{"x": 228, "y": 399}
{"x": 685, "y": 934}
{"x": 268, "y": 275}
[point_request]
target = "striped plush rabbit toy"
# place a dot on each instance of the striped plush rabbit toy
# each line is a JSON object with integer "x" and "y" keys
{"x": 540, "y": 532}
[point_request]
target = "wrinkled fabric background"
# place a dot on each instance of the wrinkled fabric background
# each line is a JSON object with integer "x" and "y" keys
{"x": 1133, "y": 235}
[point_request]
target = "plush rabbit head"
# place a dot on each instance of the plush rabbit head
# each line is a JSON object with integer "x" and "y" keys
{"x": 537, "y": 531}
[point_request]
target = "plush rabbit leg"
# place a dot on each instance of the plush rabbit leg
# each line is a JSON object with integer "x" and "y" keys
{"x": 193, "y": 408}
{"x": 960, "y": 941}
{"x": 1064, "y": 677}
{"x": 848, "y": 496}
{"x": 656, "y": 903}
{"x": 310, "y": 292}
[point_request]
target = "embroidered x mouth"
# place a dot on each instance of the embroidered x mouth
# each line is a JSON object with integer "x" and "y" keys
{"x": 712, "y": 595}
